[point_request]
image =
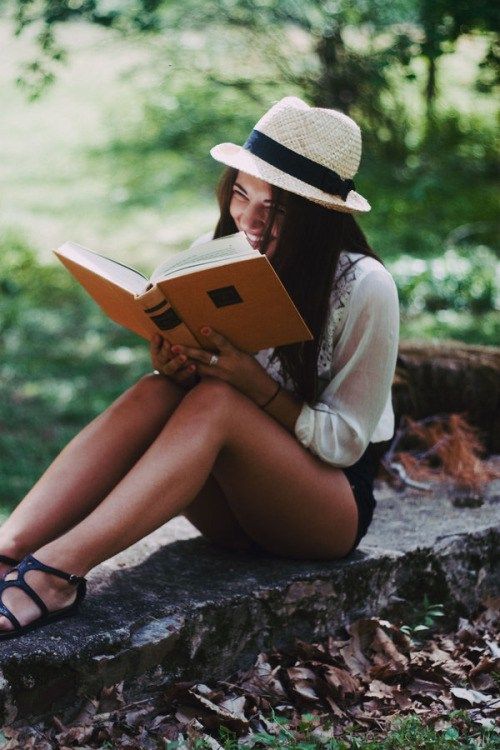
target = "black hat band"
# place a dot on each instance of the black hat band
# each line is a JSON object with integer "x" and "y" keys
{"x": 296, "y": 165}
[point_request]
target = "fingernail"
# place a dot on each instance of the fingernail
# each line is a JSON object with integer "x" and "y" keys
{"x": 192, "y": 368}
{"x": 205, "y": 330}
{"x": 175, "y": 350}
{"x": 182, "y": 358}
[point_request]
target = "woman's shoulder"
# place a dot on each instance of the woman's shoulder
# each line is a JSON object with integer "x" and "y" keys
{"x": 354, "y": 268}
{"x": 362, "y": 264}
{"x": 358, "y": 277}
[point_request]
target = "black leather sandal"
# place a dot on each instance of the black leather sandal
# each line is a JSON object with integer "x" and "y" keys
{"x": 31, "y": 563}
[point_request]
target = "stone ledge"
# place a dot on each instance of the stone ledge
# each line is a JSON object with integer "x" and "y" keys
{"x": 173, "y": 606}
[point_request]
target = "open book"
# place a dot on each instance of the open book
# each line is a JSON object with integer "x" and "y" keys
{"x": 223, "y": 283}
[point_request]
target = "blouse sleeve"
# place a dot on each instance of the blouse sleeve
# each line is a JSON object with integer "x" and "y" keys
{"x": 340, "y": 425}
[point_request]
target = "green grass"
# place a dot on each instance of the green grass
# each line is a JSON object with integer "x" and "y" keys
{"x": 61, "y": 363}
{"x": 54, "y": 182}
{"x": 461, "y": 326}
{"x": 406, "y": 733}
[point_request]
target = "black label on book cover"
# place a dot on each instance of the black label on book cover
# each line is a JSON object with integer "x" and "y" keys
{"x": 167, "y": 320}
{"x": 157, "y": 307}
{"x": 226, "y": 295}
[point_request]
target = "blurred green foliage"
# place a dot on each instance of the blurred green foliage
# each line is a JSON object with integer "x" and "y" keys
{"x": 459, "y": 280}
{"x": 429, "y": 169}
{"x": 455, "y": 295}
{"x": 61, "y": 363}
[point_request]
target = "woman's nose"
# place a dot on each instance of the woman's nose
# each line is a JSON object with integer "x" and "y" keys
{"x": 252, "y": 218}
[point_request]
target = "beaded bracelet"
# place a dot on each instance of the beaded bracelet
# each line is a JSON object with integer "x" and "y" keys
{"x": 278, "y": 389}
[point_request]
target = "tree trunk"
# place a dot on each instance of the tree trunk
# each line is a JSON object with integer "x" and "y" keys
{"x": 430, "y": 92}
{"x": 449, "y": 377}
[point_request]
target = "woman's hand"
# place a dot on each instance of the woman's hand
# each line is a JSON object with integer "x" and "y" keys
{"x": 174, "y": 366}
{"x": 233, "y": 366}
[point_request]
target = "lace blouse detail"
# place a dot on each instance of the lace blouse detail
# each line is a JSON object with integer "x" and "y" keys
{"x": 356, "y": 364}
{"x": 345, "y": 276}
{"x": 358, "y": 351}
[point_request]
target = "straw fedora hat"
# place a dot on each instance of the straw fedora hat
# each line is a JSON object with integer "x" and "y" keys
{"x": 311, "y": 151}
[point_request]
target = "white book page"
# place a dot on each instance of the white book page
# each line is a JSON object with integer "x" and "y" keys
{"x": 128, "y": 278}
{"x": 209, "y": 254}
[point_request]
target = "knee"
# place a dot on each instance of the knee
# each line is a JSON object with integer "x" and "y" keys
{"x": 215, "y": 395}
{"x": 152, "y": 392}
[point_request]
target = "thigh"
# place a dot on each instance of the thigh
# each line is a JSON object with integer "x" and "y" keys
{"x": 286, "y": 499}
{"x": 211, "y": 514}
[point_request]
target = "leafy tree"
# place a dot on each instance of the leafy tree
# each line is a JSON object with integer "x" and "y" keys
{"x": 443, "y": 22}
{"x": 349, "y": 77}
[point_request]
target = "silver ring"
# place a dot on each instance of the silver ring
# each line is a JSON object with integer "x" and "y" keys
{"x": 213, "y": 360}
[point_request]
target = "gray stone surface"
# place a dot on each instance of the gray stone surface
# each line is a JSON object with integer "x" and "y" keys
{"x": 174, "y": 606}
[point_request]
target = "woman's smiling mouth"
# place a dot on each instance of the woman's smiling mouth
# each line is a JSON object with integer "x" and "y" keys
{"x": 254, "y": 240}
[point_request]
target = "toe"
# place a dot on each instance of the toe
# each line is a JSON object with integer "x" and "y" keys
{"x": 5, "y": 624}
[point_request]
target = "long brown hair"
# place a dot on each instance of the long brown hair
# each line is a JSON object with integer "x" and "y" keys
{"x": 306, "y": 258}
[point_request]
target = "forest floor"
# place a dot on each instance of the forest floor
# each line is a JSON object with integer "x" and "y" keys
{"x": 374, "y": 685}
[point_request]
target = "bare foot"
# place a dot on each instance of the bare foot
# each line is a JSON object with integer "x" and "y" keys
{"x": 5, "y": 567}
{"x": 52, "y": 590}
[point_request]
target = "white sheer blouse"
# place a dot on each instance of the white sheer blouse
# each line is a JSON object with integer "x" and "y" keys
{"x": 356, "y": 365}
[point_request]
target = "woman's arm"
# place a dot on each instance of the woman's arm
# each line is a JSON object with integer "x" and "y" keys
{"x": 243, "y": 372}
{"x": 340, "y": 425}
{"x": 285, "y": 408}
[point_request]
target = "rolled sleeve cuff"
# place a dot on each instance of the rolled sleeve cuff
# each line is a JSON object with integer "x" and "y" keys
{"x": 329, "y": 436}
{"x": 304, "y": 426}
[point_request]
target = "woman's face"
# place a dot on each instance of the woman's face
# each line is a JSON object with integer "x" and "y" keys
{"x": 250, "y": 205}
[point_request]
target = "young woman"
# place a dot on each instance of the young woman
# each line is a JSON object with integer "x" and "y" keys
{"x": 272, "y": 452}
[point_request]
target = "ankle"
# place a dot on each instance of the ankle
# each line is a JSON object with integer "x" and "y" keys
{"x": 12, "y": 548}
{"x": 62, "y": 560}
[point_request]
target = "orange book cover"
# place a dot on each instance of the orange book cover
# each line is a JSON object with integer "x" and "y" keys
{"x": 223, "y": 283}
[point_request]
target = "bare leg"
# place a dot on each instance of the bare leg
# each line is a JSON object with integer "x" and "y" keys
{"x": 211, "y": 514}
{"x": 90, "y": 466}
{"x": 288, "y": 501}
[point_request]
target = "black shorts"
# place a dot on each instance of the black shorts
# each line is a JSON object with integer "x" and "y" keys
{"x": 361, "y": 476}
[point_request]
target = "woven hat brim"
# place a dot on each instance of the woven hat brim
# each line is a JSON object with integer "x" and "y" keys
{"x": 238, "y": 157}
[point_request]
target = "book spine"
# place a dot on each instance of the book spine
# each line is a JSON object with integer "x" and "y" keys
{"x": 165, "y": 318}
{"x": 158, "y": 309}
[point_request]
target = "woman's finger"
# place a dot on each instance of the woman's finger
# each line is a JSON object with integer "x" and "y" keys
{"x": 170, "y": 367}
{"x": 200, "y": 355}
{"x": 181, "y": 375}
{"x": 217, "y": 339}
{"x": 211, "y": 371}
{"x": 156, "y": 343}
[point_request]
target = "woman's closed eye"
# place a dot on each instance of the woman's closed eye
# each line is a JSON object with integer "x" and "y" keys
{"x": 239, "y": 194}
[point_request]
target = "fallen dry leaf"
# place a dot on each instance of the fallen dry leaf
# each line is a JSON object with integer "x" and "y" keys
{"x": 373, "y": 676}
{"x": 304, "y": 690}
{"x": 379, "y": 689}
{"x": 474, "y": 697}
{"x": 111, "y": 698}
{"x": 334, "y": 707}
{"x": 388, "y": 661}
{"x": 342, "y": 683}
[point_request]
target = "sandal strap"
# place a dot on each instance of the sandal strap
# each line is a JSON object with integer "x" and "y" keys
{"x": 5, "y": 612}
{"x": 8, "y": 560}
{"x": 20, "y": 583}
{"x": 31, "y": 563}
